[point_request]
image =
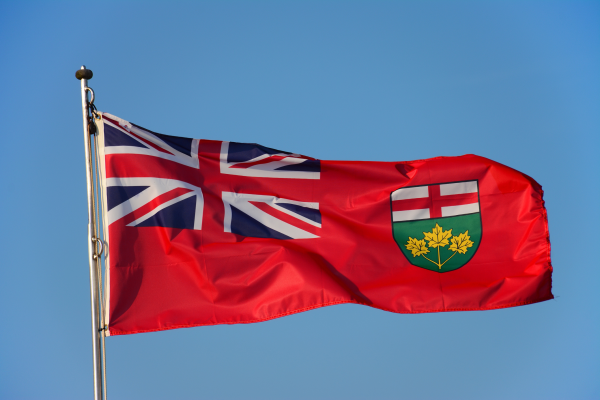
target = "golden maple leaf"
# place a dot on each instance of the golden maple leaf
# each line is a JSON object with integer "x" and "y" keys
{"x": 461, "y": 243}
{"x": 438, "y": 237}
{"x": 417, "y": 247}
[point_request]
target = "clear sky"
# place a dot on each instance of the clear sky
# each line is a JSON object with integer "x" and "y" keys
{"x": 517, "y": 82}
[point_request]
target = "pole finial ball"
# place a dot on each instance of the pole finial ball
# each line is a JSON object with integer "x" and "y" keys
{"x": 84, "y": 73}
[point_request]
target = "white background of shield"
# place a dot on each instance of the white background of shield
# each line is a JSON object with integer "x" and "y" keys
{"x": 516, "y": 82}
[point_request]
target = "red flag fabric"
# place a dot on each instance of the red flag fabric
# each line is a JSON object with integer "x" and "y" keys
{"x": 204, "y": 232}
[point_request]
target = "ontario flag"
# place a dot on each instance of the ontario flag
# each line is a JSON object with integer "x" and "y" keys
{"x": 204, "y": 232}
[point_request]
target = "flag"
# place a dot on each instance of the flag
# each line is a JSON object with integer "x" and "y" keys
{"x": 204, "y": 232}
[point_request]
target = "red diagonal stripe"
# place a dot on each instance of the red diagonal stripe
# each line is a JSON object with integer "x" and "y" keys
{"x": 116, "y": 124}
{"x": 149, "y": 143}
{"x": 157, "y": 201}
{"x": 263, "y": 161}
{"x": 286, "y": 218}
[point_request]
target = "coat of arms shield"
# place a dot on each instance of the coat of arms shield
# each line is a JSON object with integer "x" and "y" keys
{"x": 437, "y": 226}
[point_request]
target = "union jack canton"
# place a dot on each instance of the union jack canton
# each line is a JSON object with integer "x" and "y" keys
{"x": 172, "y": 196}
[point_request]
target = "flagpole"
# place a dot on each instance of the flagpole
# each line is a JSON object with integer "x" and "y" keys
{"x": 84, "y": 75}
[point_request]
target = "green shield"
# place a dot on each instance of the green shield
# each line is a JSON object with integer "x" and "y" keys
{"x": 439, "y": 244}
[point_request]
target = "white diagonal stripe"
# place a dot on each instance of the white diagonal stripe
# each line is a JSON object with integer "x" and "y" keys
{"x": 295, "y": 215}
{"x": 241, "y": 201}
{"x": 410, "y": 215}
{"x": 161, "y": 207}
{"x": 451, "y": 211}
{"x": 273, "y": 165}
{"x": 265, "y": 170}
{"x": 447, "y": 189}
{"x": 156, "y": 187}
{"x": 176, "y": 155}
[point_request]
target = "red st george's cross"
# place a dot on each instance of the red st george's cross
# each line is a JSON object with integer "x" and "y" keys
{"x": 435, "y": 201}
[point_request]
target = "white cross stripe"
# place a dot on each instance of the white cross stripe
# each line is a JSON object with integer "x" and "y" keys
{"x": 417, "y": 192}
{"x": 447, "y": 189}
{"x": 451, "y": 211}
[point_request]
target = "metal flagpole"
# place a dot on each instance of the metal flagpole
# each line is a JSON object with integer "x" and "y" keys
{"x": 83, "y": 75}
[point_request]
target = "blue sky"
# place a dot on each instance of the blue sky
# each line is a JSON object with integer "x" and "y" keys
{"x": 517, "y": 82}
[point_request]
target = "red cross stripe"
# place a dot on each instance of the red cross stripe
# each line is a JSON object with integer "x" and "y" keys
{"x": 259, "y": 162}
{"x": 429, "y": 202}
